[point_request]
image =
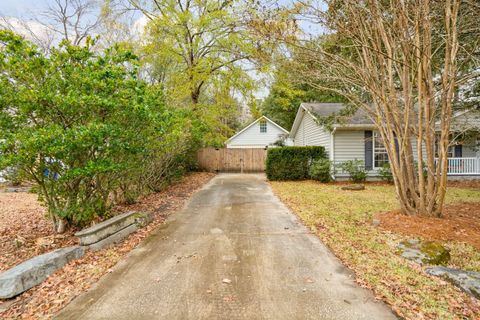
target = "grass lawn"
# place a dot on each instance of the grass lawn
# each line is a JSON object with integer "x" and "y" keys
{"x": 343, "y": 220}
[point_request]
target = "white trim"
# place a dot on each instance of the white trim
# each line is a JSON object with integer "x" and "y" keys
{"x": 374, "y": 167}
{"x": 355, "y": 126}
{"x": 299, "y": 118}
{"x": 302, "y": 108}
{"x": 332, "y": 152}
{"x": 297, "y": 121}
{"x": 251, "y": 124}
{"x": 332, "y": 145}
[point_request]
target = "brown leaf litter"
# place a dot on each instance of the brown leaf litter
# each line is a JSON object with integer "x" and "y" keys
{"x": 46, "y": 299}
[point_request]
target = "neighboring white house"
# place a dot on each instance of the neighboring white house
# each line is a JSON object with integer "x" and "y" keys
{"x": 261, "y": 133}
{"x": 356, "y": 138}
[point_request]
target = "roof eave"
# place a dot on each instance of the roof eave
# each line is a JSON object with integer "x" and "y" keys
{"x": 354, "y": 126}
{"x": 296, "y": 122}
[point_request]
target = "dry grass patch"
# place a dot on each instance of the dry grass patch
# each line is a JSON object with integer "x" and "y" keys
{"x": 343, "y": 220}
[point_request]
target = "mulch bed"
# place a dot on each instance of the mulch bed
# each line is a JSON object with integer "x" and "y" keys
{"x": 46, "y": 299}
{"x": 460, "y": 222}
{"x": 469, "y": 184}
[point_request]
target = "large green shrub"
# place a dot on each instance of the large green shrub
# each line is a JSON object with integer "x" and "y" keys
{"x": 321, "y": 170}
{"x": 355, "y": 169}
{"x": 85, "y": 128}
{"x": 292, "y": 163}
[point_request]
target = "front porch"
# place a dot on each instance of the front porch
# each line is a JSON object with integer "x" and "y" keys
{"x": 464, "y": 166}
{"x": 458, "y": 168}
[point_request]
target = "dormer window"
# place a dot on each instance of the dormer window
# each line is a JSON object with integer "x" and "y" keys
{"x": 263, "y": 126}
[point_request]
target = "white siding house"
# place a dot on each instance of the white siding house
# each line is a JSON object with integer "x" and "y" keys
{"x": 348, "y": 145}
{"x": 261, "y": 133}
{"x": 309, "y": 133}
{"x": 355, "y": 138}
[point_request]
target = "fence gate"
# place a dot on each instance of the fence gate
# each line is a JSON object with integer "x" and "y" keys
{"x": 232, "y": 160}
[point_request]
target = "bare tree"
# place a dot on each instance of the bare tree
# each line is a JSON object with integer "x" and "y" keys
{"x": 72, "y": 20}
{"x": 31, "y": 30}
{"x": 397, "y": 60}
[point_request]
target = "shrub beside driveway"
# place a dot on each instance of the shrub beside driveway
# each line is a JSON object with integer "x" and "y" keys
{"x": 343, "y": 220}
{"x": 44, "y": 300}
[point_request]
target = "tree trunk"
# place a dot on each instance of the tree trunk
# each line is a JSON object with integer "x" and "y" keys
{"x": 59, "y": 224}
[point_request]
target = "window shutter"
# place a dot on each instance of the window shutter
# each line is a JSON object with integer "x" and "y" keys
{"x": 397, "y": 148}
{"x": 458, "y": 151}
{"x": 368, "y": 150}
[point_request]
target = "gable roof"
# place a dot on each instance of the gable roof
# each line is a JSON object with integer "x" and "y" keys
{"x": 251, "y": 124}
{"x": 321, "y": 110}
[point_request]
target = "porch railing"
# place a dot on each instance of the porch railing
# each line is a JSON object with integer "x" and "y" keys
{"x": 456, "y": 166}
{"x": 463, "y": 166}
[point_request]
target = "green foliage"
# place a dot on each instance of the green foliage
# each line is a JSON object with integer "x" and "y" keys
{"x": 355, "y": 169}
{"x": 386, "y": 173}
{"x": 321, "y": 170}
{"x": 195, "y": 50}
{"x": 292, "y": 163}
{"x": 286, "y": 95}
{"x": 84, "y": 127}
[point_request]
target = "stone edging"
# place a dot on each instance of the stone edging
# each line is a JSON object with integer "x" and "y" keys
{"x": 29, "y": 273}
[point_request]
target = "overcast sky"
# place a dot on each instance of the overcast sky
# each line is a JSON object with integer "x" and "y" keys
{"x": 24, "y": 8}
{"x": 17, "y": 8}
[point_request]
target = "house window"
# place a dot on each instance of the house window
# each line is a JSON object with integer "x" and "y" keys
{"x": 263, "y": 126}
{"x": 380, "y": 155}
{"x": 450, "y": 149}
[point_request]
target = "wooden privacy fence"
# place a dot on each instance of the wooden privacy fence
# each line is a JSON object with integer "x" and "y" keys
{"x": 232, "y": 160}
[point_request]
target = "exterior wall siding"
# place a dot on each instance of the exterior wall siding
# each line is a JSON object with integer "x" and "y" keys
{"x": 253, "y": 138}
{"x": 349, "y": 145}
{"x": 315, "y": 135}
{"x": 414, "y": 149}
{"x": 299, "y": 139}
{"x": 469, "y": 151}
{"x": 309, "y": 133}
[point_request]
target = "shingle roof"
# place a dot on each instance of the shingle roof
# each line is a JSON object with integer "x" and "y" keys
{"x": 327, "y": 109}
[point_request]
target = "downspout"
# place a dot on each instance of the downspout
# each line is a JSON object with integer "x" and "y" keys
{"x": 332, "y": 151}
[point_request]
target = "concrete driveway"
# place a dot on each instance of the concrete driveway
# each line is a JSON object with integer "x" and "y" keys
{"x": 234, "y": 252}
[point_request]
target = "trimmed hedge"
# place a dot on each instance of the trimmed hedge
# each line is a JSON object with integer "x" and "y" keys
{"x": 292, "y": 163}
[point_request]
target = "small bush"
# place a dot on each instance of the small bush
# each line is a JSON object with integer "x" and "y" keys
{"x": 292, "y": 163}
{"x": 321, "y": 170}
{"x": 356, "y": 170}
{"x": 386, "y": 173}
{"x": 424, "y": 169}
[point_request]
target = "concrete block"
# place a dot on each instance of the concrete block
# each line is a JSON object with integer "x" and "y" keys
{"x": 32, "y": 272}
{"x": 114, "y": 238}
{"x": 106, "y": 228}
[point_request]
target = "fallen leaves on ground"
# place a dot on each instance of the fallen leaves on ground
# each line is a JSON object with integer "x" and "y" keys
{"x": 24, "y": 230}
{"x": 343, "y": 221}
{"x": 470, "y": 184}
{"x": 46, "y": 299}
{"x": 459, "y": 222}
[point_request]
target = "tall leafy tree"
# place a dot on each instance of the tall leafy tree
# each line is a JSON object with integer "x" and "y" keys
{"x": 192, "y": 44}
